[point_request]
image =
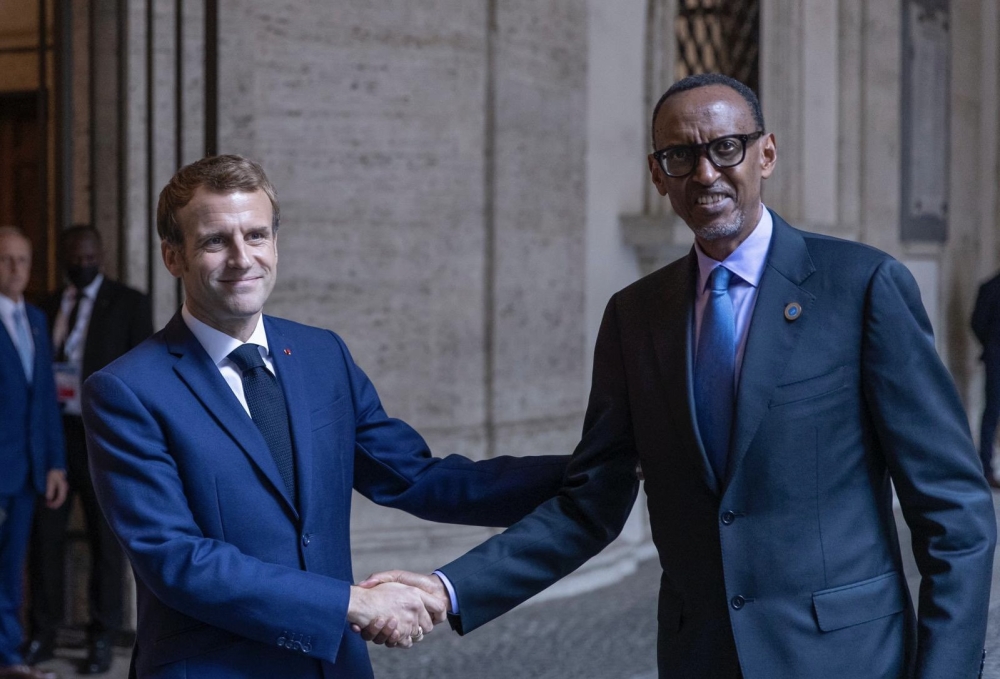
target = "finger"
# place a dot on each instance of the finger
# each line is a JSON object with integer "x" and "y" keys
{"x": 425, "y": 622}
{"x": 379, "y": 578}
{"x": 435, "y": 608}
{"x": 388, "y": 633}
{"x": 373, "y": 629}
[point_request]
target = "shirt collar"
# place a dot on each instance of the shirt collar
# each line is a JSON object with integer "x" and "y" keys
{"x": 218, "y": 344}
{"x": 8, "y": 306}
{"x": 748, "y": 260}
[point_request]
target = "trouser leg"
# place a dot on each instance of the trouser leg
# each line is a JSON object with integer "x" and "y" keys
{"x": 15, "y": 533}
{"x": 991, "y": 414}
{"x": 107, "y": 561}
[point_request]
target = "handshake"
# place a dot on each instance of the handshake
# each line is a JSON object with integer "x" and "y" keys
{"x": 397, "y": 608}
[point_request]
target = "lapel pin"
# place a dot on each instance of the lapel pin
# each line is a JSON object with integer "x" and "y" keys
{"x": 793, "y": 310}
{"x": 288, "y": 352}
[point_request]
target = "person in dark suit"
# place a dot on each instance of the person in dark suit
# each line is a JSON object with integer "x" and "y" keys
{"x": 986, "y": 326}
{"x": 31, "y": 443}
{"x": 225, "y": 448}
{"x": 93, "y": 320}
{"x": 774, "y": 384}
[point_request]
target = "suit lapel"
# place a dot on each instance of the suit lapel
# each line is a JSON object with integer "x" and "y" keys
{"x": 10, "y": 357}
{"x": 288, "y": 368}
{"x": 196, "y": 369}
{"x": 771, "y": 337}
{"x": 39, "y": 330}
{"x": 672, "y": 332}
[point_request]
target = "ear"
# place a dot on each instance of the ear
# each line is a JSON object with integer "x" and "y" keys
{"x": 768, "y": 155}
{"x": 656, "y": 174}
{"x": 173, "y": 258}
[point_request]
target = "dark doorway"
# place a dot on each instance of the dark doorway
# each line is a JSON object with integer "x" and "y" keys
{"x": 21, "y": 177}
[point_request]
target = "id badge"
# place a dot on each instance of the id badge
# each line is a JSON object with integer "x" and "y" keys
{"x": 68, "y": 386}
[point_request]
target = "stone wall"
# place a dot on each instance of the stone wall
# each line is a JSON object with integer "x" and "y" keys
{"x": 430, "y": 160}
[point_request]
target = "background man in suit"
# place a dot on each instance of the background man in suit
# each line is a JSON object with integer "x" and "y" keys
{"x": 31, "y": 444}
{"x": 93, "y": 320}
{"x": 771, "y": 383}
{"x": 225, "y": 448}
{"x": 986, "y": 326}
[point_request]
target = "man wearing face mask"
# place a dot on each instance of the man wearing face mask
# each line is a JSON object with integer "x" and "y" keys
{"x": 93, "y": 320}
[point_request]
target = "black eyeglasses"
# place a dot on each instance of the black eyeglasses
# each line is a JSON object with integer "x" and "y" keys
{"x": 728, "y": 151}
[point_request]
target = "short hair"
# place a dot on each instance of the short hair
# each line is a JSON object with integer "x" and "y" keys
{"x": 219, "y": 174}
{"x": 7, "y": 230}
{"x": 705, "y": 80}
{"x": 76, "y": 231}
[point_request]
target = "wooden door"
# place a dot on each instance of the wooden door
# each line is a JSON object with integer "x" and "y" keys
{"x": 21, "y": 177}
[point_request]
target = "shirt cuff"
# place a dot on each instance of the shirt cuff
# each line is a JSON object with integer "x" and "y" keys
{"x": 451, "y": 591}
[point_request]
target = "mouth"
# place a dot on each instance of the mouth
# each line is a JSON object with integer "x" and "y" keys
{"x": 710, "y": 199}
{"x": 239, "y": 281}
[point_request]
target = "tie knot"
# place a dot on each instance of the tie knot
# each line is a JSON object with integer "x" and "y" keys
{"x": 718, "y": 280}
{"x": 246, "y": 357}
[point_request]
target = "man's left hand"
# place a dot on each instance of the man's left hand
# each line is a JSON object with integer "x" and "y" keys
{"x": 56, "y": 488}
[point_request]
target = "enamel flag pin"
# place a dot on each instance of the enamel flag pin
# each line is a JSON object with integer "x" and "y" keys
{"x": 288, "y": 352}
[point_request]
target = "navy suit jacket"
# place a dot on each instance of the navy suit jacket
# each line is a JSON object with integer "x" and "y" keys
{"x": 31, "y": 440}
{"x": 234, "y": 580}
{"x": 790, "y": 566}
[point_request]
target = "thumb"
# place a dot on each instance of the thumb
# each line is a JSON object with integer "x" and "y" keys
{"x": 376, "y": 579}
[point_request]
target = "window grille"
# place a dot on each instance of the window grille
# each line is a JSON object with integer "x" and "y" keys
{"x": 719, "y": 36}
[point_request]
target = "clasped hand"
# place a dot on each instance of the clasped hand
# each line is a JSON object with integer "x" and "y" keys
{"x": 397, "y": 608}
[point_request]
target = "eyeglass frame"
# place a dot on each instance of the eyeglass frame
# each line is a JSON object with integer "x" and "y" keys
{"x": 700, "y": 150}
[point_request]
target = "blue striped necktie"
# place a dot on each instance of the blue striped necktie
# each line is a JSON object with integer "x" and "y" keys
{"x": 714, "y": 373}
{"x": 267, "y": 409}
{"x": 25, "y": 347}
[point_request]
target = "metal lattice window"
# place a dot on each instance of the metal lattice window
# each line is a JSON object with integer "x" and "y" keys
{"x": 719, "y": 36}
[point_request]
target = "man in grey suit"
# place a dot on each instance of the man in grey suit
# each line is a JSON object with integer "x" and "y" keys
{"x": 774, "y": 384}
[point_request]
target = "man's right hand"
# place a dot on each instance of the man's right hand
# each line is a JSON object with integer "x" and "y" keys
{"x": 393, "y": 613}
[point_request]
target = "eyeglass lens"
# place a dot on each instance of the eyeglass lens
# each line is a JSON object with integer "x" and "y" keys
{"x": 723, "y": 152}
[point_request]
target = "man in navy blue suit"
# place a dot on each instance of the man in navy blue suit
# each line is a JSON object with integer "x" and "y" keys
{"x": 225, "y": 448}
{"x": 774, "y": 385}
{"x": 31, "y": 443}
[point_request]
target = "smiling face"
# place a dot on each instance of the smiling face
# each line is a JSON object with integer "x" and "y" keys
{"x": 228, "y": 260}
{"x": 721, "y": 206}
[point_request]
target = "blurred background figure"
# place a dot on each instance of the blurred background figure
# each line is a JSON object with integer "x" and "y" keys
{"x": 986, "y": 326}
{"x": 31, "y": 447}
{"x": 93, "y": 321}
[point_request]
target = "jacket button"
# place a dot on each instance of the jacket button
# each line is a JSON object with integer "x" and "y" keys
{"x": 728, "y": 518}
{"x": 738, "y": 602}
{"x": 306, "y": 539}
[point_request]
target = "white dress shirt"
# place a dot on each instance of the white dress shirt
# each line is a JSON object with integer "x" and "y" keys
{"x": 218, "y": 345}
{"x": 8, "y": 307}
{"x": 747, "y": 263}
{"x": 75, "y": 337}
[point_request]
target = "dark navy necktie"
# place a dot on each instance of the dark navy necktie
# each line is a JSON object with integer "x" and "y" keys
{"x": 715, "y": 370}
{"x": 267, "y": 409}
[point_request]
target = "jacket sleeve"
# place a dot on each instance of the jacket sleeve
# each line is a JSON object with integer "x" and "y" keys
{"x": 142, "y": 495}
{"x": 923, "y": 432}
{"x": 394, "y": 467}
{"x": 588, "y": 513}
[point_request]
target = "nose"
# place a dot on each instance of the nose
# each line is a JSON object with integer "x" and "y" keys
{"x": 238, "y": 256}
{"x": 705, "y": 172}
